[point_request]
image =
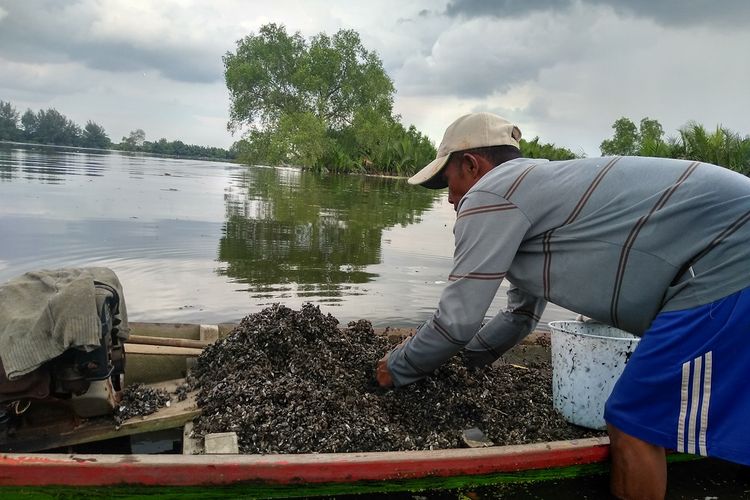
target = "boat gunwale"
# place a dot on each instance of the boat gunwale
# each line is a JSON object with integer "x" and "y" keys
{"x": 193, "y": 470}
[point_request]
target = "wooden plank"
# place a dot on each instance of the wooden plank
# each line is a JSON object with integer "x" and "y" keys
{"x": 209, "y": 333}
{"x": 161, "y": 350}
{"x": 66, "y": 432}
{"x": 194, "y": 470}
{"x": 191, "y": 445}
{"x": 167, "y": 341}
{"x": 173, "y": 330}
{"x": 147, "y": 369}
{"x": 226, "y": 328}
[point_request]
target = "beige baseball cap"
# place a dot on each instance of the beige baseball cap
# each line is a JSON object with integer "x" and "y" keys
{"x": 475, "y": 130}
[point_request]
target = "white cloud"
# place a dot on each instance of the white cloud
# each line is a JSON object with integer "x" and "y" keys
{"x": 114, "y": 37}
{"x": 41, "y": 80}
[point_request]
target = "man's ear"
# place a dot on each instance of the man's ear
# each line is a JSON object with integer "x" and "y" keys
{"x": 473, "y": 165}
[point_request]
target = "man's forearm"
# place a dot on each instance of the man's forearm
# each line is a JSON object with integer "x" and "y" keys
{"x": 506, "y": 329}
{"x": 458, "y": 318}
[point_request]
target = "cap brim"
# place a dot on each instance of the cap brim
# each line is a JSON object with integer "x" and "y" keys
{"x": 429, "y": 176}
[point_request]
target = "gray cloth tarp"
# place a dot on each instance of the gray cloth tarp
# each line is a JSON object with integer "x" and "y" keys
{"x": 44, "y": 313}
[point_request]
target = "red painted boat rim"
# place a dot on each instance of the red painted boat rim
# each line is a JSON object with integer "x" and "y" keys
{"x": 195, "y": 470}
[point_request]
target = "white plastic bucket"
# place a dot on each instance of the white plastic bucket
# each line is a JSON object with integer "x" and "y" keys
{"x": 587, "y": 360}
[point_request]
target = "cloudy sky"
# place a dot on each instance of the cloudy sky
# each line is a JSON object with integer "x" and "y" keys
{"x": 562, "y": 69}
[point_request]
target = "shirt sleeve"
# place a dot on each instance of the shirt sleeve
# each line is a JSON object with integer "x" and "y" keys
{"x": 506, "y": 329}
{"x": 488, "y": 231}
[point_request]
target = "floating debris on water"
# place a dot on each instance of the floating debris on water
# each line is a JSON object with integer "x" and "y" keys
{"x": 139, "y": 400}
{"x": 294, "y": 382}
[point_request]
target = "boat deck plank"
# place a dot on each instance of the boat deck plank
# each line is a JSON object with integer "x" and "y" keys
{"x": 58, "y": 432}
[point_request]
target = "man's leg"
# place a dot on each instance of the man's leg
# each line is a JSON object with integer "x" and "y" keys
{"x": 639, "y": 469}
{"x": 684, "y": 388}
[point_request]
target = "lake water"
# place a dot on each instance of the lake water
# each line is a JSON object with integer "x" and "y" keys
{"x": 198, "y": 241}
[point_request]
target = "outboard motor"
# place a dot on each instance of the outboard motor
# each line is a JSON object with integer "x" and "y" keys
{"x": 92, "y": 379}
{"x": 85, "y": 381}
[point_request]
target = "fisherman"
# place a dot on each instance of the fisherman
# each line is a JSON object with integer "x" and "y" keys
{"x": 657, "y": 247}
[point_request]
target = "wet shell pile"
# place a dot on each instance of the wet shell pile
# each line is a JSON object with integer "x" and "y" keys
{"x": 294, "y": 382}
{"x": 139, "y": 400}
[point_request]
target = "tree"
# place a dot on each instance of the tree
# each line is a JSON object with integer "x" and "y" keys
{"x": 134, "y": 140}
{"x": 273, "y": 73}
{"x": 52, "y": 127}
{"x": 650, "y": 130}
{"x": 650, "y": 142}
{"x": 162, "y": 147}
{"x": 301, "y": 101}
{"x": 385, "y": 145}
{"x": 343, "y": 78}
{"x": 262, "y": 76}
{"x": 9, "y": 130}
{"x": 179, "y": 148}
{"x": 29, "y": 123}
{"x": 629, "y": 140}
{"x": 722, "y": 147}
{"x": 94, "y": 136}
{"x": 534, "y": 149}
{"x": 625, "y": 140}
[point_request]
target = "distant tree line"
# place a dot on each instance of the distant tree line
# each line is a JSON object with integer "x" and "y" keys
{"x": 52, "y": 127}
{"x": 694, "y": 142}
{"x": 136, "y": 141}
{"x": 536, "y": 149}
{"x": 369, "y": 139}
{"x": 49, "y": 127}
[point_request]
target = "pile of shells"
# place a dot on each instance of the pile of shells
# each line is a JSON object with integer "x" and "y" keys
{"x": 294, "y": 382}
{"x": 139, "y": 400}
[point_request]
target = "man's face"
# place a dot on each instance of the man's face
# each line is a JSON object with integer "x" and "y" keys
{"x": 459, "y": 179}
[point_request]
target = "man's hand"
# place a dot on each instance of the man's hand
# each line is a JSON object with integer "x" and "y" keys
{"x": 382, "y": 373}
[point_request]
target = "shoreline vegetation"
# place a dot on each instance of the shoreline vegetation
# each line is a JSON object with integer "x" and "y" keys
{"x": 114, "y": 149}
{"x": 694, "y": 142}
{"x": 51, "y": 128}
{"x": 325, "y": 104}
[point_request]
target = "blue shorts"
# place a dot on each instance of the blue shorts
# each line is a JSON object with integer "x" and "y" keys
{"x": 687, "y": 385}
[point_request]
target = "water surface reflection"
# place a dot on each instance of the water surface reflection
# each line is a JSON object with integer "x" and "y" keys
{"x": 209, "y": 242}
{"x": 314, "y": 235}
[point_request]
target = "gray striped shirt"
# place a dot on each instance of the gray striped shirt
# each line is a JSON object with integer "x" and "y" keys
{"x": 616, "y": 239}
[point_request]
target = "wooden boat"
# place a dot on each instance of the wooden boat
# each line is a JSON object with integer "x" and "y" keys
{"x": 23, "y": 467}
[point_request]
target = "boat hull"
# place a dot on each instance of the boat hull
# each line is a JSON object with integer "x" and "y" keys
{"x": 196, "y": 470}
